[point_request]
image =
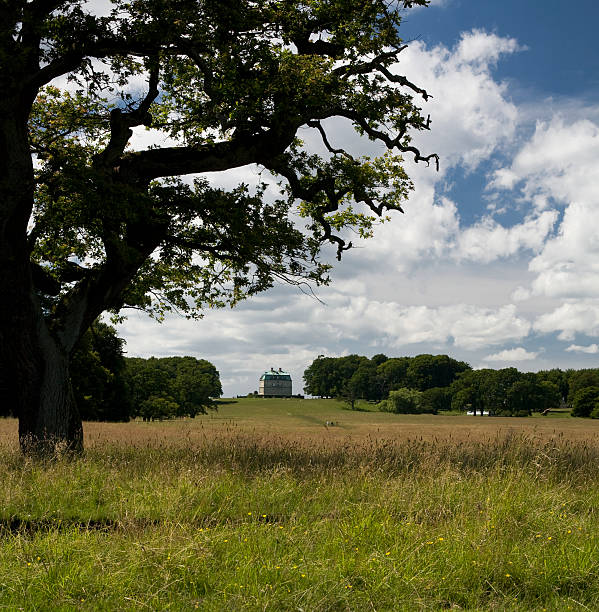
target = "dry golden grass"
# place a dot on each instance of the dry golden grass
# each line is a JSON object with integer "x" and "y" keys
{"x": 304, "y": 422}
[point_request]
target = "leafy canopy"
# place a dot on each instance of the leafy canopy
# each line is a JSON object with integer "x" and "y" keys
{"x": 223, "y": 84}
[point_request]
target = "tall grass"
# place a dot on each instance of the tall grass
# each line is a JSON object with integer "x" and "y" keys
{"x": 252, "y": 521}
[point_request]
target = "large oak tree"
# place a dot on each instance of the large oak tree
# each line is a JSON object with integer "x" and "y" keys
{"x": 88, "y": 224}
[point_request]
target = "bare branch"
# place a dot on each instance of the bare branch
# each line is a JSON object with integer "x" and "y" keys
{"x": 391, "y": 143}
{"x": 327, "y": 144}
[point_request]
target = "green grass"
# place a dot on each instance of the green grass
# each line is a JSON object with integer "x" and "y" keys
{"x": 271, "y": 510}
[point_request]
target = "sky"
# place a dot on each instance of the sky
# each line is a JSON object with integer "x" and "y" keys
{"x": 496, "y": 260}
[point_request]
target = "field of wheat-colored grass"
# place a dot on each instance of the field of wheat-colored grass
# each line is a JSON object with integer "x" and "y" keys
{"x": 262, "y": 506}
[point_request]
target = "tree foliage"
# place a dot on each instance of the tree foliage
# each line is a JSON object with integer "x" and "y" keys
{"x": 98, "y": 376}
{"x": 581, "y": 379}
{"x": 585, "y": 401}
{"x": 357, "y": 377}
{"x": 505, "y": 392}
{"x": 171, "y": 387}
{"x": 404, "y": 401}
{"x": 99, "y": 224}
{"x": 428, "y": 371}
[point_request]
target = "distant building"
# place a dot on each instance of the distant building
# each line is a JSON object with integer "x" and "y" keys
{"x": 275, "y": 383}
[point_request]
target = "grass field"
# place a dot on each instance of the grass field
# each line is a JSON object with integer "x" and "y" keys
{"x": 261, "y": 506}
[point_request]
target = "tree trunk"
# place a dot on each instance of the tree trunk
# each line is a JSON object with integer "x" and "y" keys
{"x": 49, "y": 421}
{"x": 37, "y": 388}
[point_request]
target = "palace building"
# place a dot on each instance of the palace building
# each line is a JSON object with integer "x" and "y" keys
{"x": 275, "y": 383}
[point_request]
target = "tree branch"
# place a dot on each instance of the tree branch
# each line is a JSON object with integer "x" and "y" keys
{"x": 213, "y": 157}
{"x": 327, "y": 144}
{"x": 122, "y": 122}
{"x": 391, "y": 143}
{"x": 322, "y": 183}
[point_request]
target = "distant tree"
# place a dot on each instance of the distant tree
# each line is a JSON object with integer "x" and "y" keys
{"x": 378, "y": 359}
{"x": 522, "y": 397}
{"x": 392, "y": 374}
{"x": 585, "y": 401}
{"x": 473, "y": 390}
{"x": 428, "y": 371}
{"x": 557, "y": 377}
{"x": 363, "y": 382}
{"x": 435, "y": 400}
{"x": 146, "y": 379}
{"x": 159, "y": 408}
{"x": 550, "y": 396}
{"x": 194, "y": 383}
{"x": 321, "y": 377}
{"x": 580, "y": 379}
{"x": 187, "y": 384}
{"x": 496, "y": 389}
{"x": 329, "y": 376}
{"x": 98, "y": 376}
{"x": 462, "y": 399}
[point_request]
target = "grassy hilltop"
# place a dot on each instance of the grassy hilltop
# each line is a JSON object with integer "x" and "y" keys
{"x": 260, "y": 506}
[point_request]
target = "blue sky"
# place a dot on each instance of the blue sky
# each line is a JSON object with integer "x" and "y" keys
{"x": 496, "y": 260}
{"x": 561, "y": 57}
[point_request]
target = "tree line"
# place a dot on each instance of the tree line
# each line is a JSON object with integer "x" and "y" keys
{"x": 356, "y": 377}
{"x": 108, "y": 386}
{"x": 433, "y": 383}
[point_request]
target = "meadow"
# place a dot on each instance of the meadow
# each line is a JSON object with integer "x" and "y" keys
{"x": 262, "y": 506}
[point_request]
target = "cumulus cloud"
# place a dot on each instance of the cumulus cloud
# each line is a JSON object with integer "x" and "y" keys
{"x": 568, "y": 264}
{"x": 396, "y": 325}
{"x": 473, "y": 119}
{"x": 557, "y": 163}
{"x": 488, "y": 240}
{"x": 481, "y": 49}
{"x": 591, "y": 349}
{"x": 571, "y": 318}
{"x": 427, "y": 231}
{"x": 512, "y": 355}
{"x": 557, "y": 168}
{"x": 471, "y": 112}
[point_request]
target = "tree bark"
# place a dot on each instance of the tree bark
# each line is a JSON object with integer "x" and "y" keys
{"x": 49, "y": 421}
{"x": 37, "y": 387}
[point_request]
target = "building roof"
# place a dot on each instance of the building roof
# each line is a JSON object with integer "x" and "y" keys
{"x": 273, "y": 374}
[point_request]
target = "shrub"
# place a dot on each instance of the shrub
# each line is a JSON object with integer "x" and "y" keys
{"x": 403, "y": 401}
{"x": 159, "y": 408}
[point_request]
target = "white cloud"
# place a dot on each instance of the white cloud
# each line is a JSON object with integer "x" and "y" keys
{"x": 557, "y": 163}
{"x": 395, "y": 325}
{"x": 591, "y": 349}
{"x": 470, "y": 111}
{"x": 571, "y": 318}
{"x": 520, "y": 294}
{"x": 427, "y": 231}
{"x": 481, "y": 49}
{"x": 144, "y": 138}
{"x": 568, "y": 265}
{"x": 557, "y": 167}
{"x": 487, "y": 240}
{"x": 512, "y": 355}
